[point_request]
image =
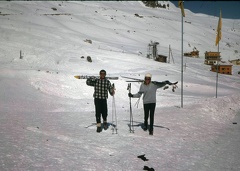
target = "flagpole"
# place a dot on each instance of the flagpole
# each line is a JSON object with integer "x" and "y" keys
{"x": 182, "y": 68}
{"x": 217, "y": 70}
{"x": 180, "y": 4}
{"x": 219, "y": 35}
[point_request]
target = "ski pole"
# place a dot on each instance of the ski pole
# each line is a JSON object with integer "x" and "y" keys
{"x": 114, "y": 127}
{"x": 131, "y": 115}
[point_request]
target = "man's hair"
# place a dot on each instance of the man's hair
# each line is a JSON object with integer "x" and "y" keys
{"x": 103, "y": 71}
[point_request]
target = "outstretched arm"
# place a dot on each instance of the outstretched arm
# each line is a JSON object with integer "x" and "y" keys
{"x": 137, "y": 95}
{"x": 91, "y": 81}
{"x": 163, "y": 83}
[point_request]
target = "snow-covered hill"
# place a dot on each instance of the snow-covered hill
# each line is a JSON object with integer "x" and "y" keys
{"x": 46, "y": 114}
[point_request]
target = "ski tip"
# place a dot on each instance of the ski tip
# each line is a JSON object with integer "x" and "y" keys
{"x": 173, "y": 83}
{"x": 77, "y": 76}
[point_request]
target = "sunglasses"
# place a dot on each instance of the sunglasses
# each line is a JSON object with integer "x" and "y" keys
{"x": 147, "y": 78}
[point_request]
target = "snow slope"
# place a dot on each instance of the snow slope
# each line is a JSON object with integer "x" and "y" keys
{"x": 47, "y": 116}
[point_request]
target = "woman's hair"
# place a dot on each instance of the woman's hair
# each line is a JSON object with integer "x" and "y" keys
{"x": 145, "y": 80}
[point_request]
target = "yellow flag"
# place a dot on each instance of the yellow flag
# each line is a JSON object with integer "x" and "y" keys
{"x": 219, "y": 28}
{"x": 180, "y": 5}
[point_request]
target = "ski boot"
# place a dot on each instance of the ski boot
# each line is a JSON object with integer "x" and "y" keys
{"x": 99, "y": 127}
{"x": 105, "y": 125}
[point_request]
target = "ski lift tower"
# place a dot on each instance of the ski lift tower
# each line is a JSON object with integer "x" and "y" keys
{"x": 152, "y": 50}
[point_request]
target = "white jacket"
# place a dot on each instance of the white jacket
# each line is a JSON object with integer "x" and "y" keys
{"x": 149, "y": 92}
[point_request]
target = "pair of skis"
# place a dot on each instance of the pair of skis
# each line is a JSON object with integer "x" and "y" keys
{"x": 97, "y": 77}
{"x": 174, "y": 85}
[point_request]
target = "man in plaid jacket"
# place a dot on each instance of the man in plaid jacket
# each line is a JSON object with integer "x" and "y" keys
{"x": 101, "y": 88}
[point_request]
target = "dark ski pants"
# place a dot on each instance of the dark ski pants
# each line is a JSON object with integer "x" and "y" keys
{"x": 149, "y": 109}
{"x": 101, "y": 109}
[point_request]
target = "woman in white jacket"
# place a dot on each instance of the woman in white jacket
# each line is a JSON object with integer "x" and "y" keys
{"x": 149, "y": 89}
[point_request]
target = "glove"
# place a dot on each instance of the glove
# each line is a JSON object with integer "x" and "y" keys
{"x": 130, "y": 95}
{"x": 113, "y": 92}
{"x": 166, "y": 87}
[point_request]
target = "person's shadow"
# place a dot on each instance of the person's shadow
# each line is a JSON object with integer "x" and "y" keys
{"x": 142, "y": 125}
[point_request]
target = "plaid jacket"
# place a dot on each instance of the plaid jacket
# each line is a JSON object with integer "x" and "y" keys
{"x": 101, "y": 87}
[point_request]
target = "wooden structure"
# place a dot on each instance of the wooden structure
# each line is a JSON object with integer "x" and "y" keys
{"x": 152, "y": 50}
{"x": 223, "y": 68}
{"x": 161, "y": 58}
{"x": 153, "y": 53}
{"x": 235, "y": 62}
{"x": 211, "y": 58}
{"x": 194, "y": 53}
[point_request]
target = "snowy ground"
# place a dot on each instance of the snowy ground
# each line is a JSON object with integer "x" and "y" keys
{"x": 47, "y": 116}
